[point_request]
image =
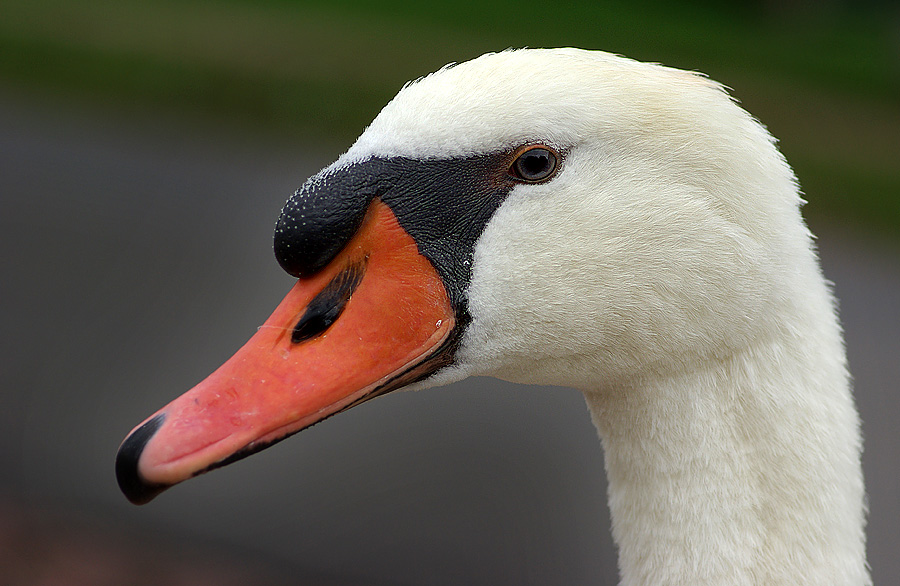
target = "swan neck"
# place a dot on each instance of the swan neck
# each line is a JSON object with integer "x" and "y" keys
{"x": 745, "y": 470}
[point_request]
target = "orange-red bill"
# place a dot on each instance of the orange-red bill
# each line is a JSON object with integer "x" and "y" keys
{"x": 387, "y": 327}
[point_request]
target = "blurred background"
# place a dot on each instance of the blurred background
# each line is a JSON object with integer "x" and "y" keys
{"x": 146, "y": 148}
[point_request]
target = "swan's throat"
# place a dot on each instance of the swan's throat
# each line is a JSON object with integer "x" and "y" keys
{"x": 739, "y": 472}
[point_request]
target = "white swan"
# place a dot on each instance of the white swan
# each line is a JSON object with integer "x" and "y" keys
{"x": 570, "y": 218}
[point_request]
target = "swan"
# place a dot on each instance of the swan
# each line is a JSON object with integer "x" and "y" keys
{"x": 573, "y": 218}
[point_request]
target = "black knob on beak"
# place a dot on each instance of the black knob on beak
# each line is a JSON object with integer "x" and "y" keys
{"x": 320, "y": 218}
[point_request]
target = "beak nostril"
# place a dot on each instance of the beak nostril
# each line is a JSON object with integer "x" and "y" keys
{"x": 326, "y": 307}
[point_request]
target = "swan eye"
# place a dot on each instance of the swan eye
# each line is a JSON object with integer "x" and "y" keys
{"x": 535, "y": 164}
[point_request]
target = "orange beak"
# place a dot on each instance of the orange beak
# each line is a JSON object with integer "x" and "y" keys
{"x": 375, "y": 318}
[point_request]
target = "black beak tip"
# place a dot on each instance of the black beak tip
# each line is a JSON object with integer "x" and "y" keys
{"x": 134, "y": 487}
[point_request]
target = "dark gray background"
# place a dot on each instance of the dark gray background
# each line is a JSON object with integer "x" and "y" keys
{"x": 137, "y": 257}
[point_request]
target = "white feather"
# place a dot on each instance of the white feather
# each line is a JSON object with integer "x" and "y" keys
{"x": 667, "y": 273}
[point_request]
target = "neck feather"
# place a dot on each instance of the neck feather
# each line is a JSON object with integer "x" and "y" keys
{"x": 745, "y": 470}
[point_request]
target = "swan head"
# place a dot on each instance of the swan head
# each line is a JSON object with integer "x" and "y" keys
{"x": 665, "y": 234}
{"x": 546, "y": 216}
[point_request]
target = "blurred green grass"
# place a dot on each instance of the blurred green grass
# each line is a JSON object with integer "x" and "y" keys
{"x": 824, "y": 77}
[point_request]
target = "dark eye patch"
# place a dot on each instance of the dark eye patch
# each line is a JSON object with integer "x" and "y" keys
{"x": 444, "y": 204}
{"x": 326, "y": 307}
